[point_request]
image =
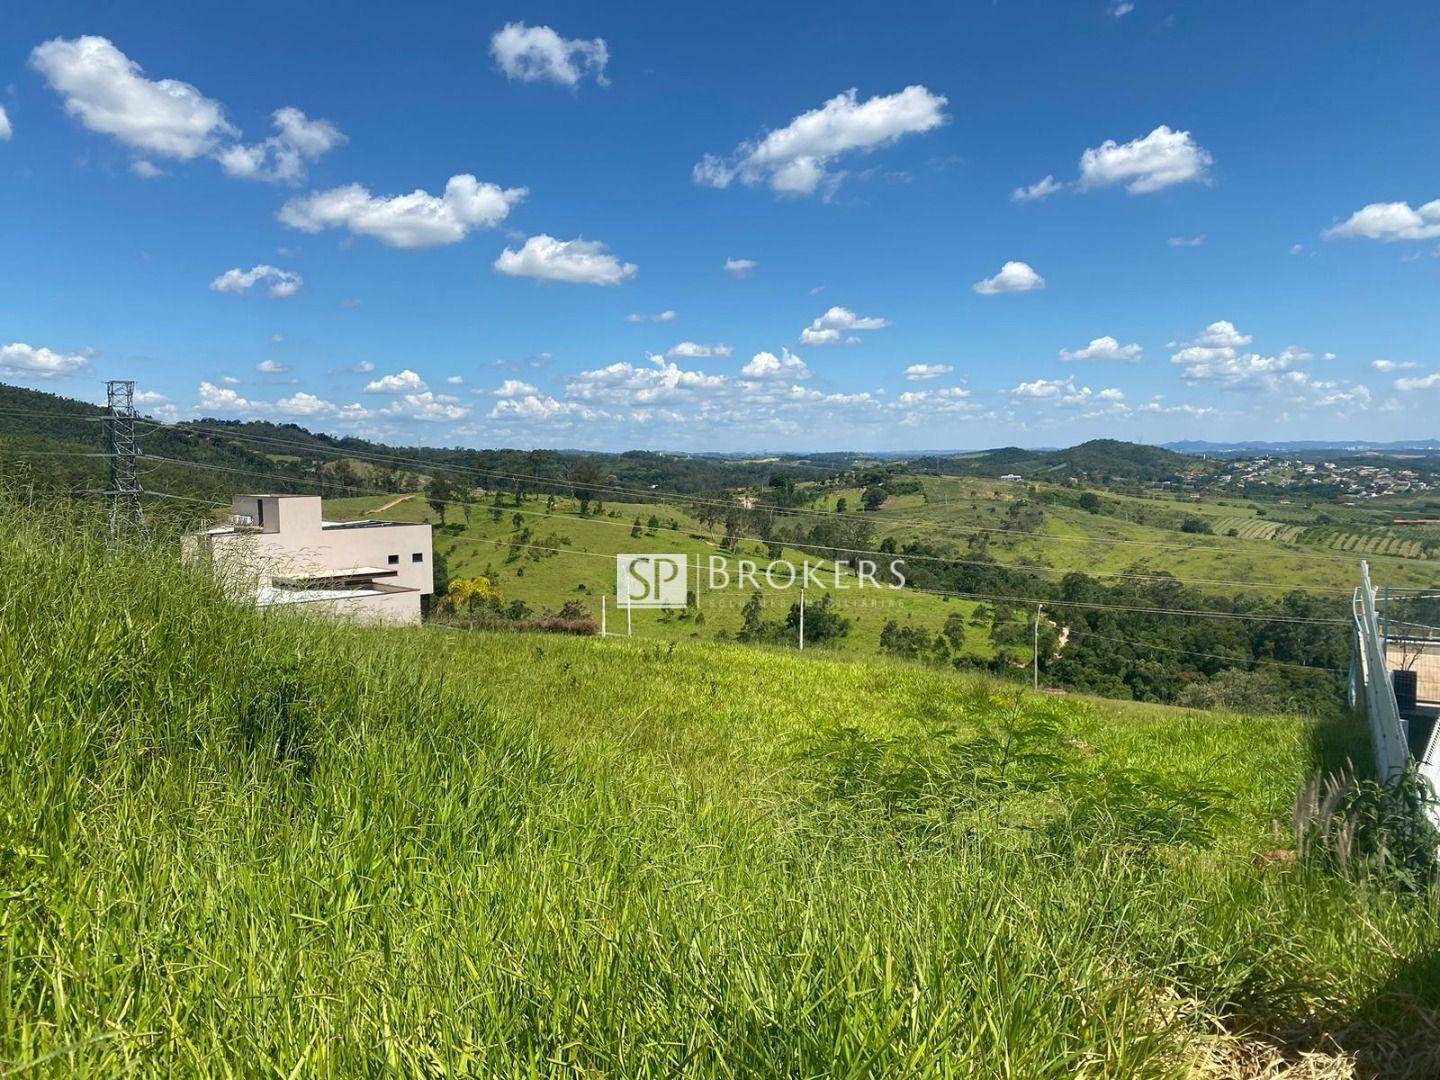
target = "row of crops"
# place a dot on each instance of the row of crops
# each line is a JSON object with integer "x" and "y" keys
{"x": 1377, "y": 543}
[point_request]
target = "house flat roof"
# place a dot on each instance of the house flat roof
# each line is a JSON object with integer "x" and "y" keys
{"x": 367, "y": 523}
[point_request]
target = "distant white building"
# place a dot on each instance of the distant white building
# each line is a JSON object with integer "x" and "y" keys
{"x": 279, "y": 550}
{"x": 1012, "y": 478}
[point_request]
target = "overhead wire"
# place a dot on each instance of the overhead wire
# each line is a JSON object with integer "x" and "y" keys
{"x": 957, "y": 531}
{"x": 942, "y": 559}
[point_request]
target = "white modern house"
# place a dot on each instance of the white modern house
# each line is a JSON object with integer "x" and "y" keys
{"x": 280, "y": 550}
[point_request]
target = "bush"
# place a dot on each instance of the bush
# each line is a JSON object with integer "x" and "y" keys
{"x": 1363, "y": 828}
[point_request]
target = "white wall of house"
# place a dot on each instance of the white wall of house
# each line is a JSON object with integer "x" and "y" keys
{"x": 377, "y": 609}
{"x": 285, "y": 537}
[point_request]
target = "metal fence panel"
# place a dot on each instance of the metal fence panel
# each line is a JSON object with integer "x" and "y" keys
{"x": 1387, "y": 727}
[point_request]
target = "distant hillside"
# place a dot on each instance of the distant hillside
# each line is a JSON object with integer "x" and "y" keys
{"x": 49, "y": 435}
{"x": 259, "y": 454}
{"x": 1097, "y": 461}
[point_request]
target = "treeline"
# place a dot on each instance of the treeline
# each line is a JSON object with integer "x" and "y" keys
{"x": 1120, "y": 639}
{"x": 260, "y": 455}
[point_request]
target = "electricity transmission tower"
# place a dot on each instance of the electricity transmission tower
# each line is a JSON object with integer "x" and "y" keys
{"x": 124, "y": 490}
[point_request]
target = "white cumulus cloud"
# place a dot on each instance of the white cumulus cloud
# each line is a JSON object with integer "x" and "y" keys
{"x": 511, "y": 388}
{"x": 796, "y": 159}
{"x": 271, "y": 367}
{"x": 538, "y": 407}
{"x": 578, "y": 262}
{"x": 1390, "y": 222}
{"x": 284, "y": 156}
{"x": 1065, "y": 393}
{"x": 740, "y": 268}
{"x": 222, "y": 401}
{"x": 692, "y": 350}
{"x": 1159, "y": 160}
{"x": 28, "y": 362}
{"x": 1387, "y": 366}
{"x": 833, "y": 327}
{"x": 405, "y": 382}
{"x": 1423, "y": 382}
{"x": 1013, "y": 277}
{"x": 1041, "y": 189}
{"x": 538, "y": 53}
{"x": 5, "y": 129}
{"x": 623, "y": 383}
{"x": 303, "y": 404}
{"x": 282, "y": 283}
{"x": 925, "y": 372}
{"x": 1105, "y": 348}
{"x": 659, "y": 317}
{"x": 766, "y": 365}
{"x": 428, "y": 406}
{"x": 416, "y": 220}
{"x": 109, "y": 93}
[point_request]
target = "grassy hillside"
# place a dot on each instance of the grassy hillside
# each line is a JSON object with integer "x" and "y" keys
{"x": 545, "y": 579}
{"x": 262, "y": 455}
{"x": 1134, "y": 535}
{"x": 236, "y": 843}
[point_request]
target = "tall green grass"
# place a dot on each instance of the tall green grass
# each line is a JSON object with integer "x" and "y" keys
{"x": 234, "y": 843}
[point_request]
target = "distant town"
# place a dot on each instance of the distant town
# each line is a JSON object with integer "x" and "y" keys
{"x": 1355, "y": 480}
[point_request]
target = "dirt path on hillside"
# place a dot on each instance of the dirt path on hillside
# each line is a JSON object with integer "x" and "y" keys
{"x": 392, "y": 502}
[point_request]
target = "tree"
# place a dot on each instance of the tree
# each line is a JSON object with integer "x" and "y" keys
{"x": 440, "y": 580}
{"x": 954, "y": 631}
{"x": 822, "y": 622}
{"x": 586, "y": 480}
{"x": 472, "y": 595}
{"x": 439, "y": 492}
{"x": 873, "y": 497}
{"x": 752, "y": 626}
{"x": 909, "y": 642}
{"x": 1090, "y": 501}
{"x": 637, "y": 529}
{"x": 841, "y": 505}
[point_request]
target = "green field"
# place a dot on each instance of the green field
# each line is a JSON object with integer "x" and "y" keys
{"x": 1268, "y": 556}
{"x": 546, "y": 580}
{"x": 1135, "y": 540}
{"x": 234, "y": 843}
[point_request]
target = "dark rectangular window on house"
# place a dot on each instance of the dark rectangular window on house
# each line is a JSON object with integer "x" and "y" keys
{"x": 260, "y": 512}
{"x": 394, "y": 559}
{"x": 419, "y": 556}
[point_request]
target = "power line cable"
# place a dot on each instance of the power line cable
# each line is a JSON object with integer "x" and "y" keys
{"x": 944, "y": 560}
{"x": 1210, "y": 656}
{"x": 953, "y": 531}
{"x": 957, "y": 531}
{"x": 1047, "y": 601}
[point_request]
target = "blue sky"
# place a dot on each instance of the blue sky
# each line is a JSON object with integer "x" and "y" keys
{"x": 953, "y": 226}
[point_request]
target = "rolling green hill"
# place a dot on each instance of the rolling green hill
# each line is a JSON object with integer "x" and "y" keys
{"x": 261, "y": 455}
{"x": 233, "y": 842}
{"x": 1098, "y": 461}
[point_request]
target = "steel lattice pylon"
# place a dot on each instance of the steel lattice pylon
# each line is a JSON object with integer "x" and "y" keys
{"x": 124, "y": 491}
